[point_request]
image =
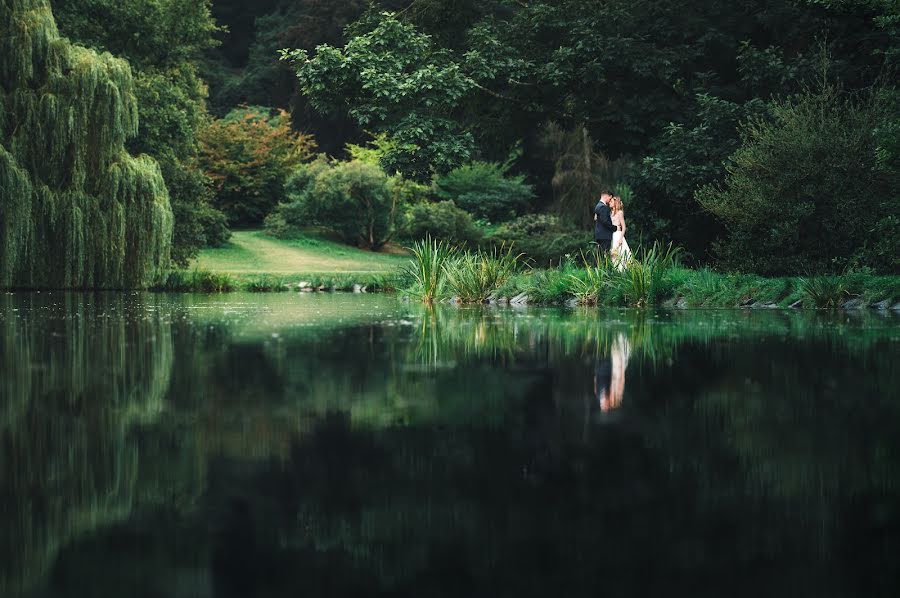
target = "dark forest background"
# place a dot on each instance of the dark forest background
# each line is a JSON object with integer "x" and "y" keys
{"x": 737, "y": 130}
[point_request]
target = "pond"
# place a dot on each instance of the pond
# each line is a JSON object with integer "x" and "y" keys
{"x": 347, "y": 445}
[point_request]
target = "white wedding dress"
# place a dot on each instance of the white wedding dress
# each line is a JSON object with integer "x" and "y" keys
{"x": 621, "y": 252}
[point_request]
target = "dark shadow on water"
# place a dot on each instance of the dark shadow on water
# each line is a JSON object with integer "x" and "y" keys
{"x": 287, "y": 446}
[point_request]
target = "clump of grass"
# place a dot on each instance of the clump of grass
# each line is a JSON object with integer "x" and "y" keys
{"x": 428, "y": 268}
{"x": 824, "y": 291}
{"x": 703, "y": 287}
{"x": 196, "y": 281}
{"x": 551, "y": 286}
{"x": 590, "y": 284}
{"x": 265, "y": 284}
{"x": 644, "y": 282}
{"x": 473, "y": 276}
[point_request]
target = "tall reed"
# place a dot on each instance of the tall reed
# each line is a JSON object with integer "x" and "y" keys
{"x": 474, "y": 276}
{"x": 642, "y": 282}
{"x": 590, "y": 285}
{"x": 428, "y": 268}
{"x": 824, "y": 291}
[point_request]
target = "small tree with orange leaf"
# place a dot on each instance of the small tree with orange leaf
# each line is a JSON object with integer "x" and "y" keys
{"x": 248, "y": 155}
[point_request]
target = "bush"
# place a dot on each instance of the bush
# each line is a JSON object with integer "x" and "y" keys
{"x": 441, "y": 220}
{"x": 805, "y": 193}
{"x": 248, "y": 156}
{"x": 354, "y": 199}
{"x": 484, "y": 190}
{"x": 541, "y": 238}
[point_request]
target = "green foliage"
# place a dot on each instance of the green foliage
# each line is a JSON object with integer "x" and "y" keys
{"x": 196, "y": 281}
{"x": 428, "y": 268}
{"x": 441, "y": 220}
{"x": 804, "y": 192}
{"x": 824, "y": 291}
{"x": 266, "y": 284}
{"x": 485, "y": 190}
{"x": 542, "y": 238}
{"x": 354, "y": 199}
{"x": 683, "y": 159}
{"x": 643, "y": 282}
{"x": 589, "y": 285}
{"x": 76, "y": 210}
{"x": 473, "y": 276}
{"x": 396, "y": 82}
{"x": 249, "y": 155}
{"x": 161, "y": 39}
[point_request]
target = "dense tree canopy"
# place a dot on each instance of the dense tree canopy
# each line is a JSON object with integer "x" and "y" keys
{"x": 162, "y": 40}
{"x": 662, "y": 86}
{"x": 651, "y": 99}
{"x": 76, "y": 209}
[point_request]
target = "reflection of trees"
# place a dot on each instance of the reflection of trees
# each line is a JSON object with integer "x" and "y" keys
{"x": 78, "y": 373}
{"x": 446, "y": 455}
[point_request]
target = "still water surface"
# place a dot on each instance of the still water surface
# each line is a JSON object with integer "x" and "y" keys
{"x": 328, "y": 445}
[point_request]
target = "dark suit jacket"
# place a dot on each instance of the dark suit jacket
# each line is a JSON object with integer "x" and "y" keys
{"x": 603, "y": 226}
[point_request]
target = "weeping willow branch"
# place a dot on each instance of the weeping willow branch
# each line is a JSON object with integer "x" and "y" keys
{"x": 76, "y": 210}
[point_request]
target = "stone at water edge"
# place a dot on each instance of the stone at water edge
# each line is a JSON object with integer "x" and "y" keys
{"x": 303, "y": 285}
{"x": 520, "y": 299}
{"x": 882, "y": 305}
{"x": 856, "y": 303}
{"x": 796, "y": 304}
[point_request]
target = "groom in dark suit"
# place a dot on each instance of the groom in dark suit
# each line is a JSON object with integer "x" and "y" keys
{"x": 603, "y": 226}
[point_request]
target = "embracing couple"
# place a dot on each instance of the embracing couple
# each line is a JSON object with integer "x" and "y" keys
{"x": 609, "y": 229}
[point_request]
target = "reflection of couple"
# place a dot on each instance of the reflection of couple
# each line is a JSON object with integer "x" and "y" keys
{"x": 609, "y": 375}
{"x": 609, "y": 229}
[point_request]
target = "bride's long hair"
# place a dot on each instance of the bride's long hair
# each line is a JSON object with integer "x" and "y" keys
{"x": 615, "y": 205}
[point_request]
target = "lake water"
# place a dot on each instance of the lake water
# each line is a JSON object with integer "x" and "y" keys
{"x": 341, "y": 445}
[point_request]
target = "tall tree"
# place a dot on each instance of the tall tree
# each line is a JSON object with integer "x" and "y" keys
{"x": 76, "y": 209}
{"x": 162, "y": 39}
{"x": 669, "y": 81}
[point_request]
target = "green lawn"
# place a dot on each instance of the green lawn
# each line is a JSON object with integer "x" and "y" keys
{"x": 255, "y": 253}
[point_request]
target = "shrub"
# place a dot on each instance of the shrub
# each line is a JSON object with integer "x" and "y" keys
{"x": 354, "y": 199}
{"x": 441, "y": 220}
{"x": 541, "y": 238}
{"x": 804, "y": 191}
{"x": 289, "y": 218}
{"x": 484, "y": 190}
{"x": 248, "y": 156}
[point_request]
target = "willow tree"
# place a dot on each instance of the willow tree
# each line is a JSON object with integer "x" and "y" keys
{"x": 76, "y": 210}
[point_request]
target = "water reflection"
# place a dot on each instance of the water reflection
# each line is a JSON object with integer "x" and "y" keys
{"x": 288, "y": 445}
{"x": 609, "y": 375}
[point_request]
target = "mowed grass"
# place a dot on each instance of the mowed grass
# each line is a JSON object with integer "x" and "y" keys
{"x": 256, "y": 253}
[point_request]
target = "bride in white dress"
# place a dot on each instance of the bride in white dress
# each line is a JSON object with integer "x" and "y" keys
{"x": 621, "y": 252}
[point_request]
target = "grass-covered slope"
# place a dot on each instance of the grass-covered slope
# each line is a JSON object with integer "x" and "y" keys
{"x": 256, "y": 253}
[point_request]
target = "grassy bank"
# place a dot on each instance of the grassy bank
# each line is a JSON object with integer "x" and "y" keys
{"x": 256, "y": 262}
{"x": 254, "y": 253}
{"x": 653, "y": 277}
{"x": 683, "y": 287}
